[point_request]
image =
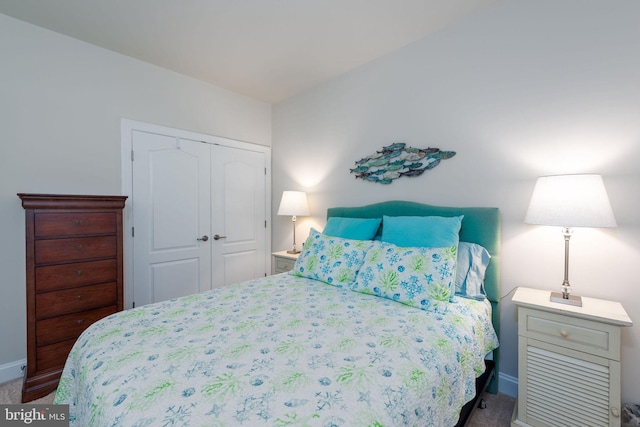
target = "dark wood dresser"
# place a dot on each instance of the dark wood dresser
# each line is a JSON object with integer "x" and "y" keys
{"x": 74, "y": 277}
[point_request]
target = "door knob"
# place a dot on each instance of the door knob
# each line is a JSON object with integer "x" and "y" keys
{"x": 218, "y": 237}
{"x": 204, "y": 238}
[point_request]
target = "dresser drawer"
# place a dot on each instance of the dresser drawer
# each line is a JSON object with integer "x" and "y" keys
{"x": 74, "y": 224}
{"x": 69, "y": 326}
{"x": 57, "y": 250}
{"x": 585, "y": 335}
{"x": 56, "y": 303}
{"x": 64, "y": 276}
{"x": 53, "y": 356}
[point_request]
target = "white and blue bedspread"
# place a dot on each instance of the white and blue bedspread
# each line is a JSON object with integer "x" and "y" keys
{"x": 278, "y": 351}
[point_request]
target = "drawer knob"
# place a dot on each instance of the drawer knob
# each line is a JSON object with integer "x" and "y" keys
{"x": 79, "y": 272}
{"x": 78, "y": 222}
{"x": 79, "y": 322}
{"x": 564, "y": 333}
{"x": 78, "y": 297}
{"x": 78, "y": 247}
{"x": 615, "y": 412}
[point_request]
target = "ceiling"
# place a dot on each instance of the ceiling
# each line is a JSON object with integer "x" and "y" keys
{"x": 265, "y": 49}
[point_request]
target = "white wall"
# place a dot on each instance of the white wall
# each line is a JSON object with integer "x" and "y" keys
{"x": 61, "y": 102}
{"x": 523, "y": 89}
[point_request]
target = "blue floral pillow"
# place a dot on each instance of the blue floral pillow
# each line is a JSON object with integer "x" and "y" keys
{"x": 418, "y": 276}
{"x": 333, "y": 260}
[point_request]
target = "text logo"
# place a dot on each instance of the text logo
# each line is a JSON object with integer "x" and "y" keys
{"x": 34, "y": 415}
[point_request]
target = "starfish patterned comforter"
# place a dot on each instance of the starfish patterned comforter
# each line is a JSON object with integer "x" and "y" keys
{"x": 278, "y": 351}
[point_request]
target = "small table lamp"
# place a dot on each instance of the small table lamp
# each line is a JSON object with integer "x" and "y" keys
{"x": 294, "y": 203}
{"x": 570, "y": 201}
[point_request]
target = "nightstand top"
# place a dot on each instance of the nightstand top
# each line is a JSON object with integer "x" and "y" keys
{"x": 592, "y": 309}
{"x": 285, "y": 254}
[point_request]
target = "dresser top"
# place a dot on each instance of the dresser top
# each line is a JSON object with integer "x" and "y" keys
{"x": 70, "y": 201}
{"x": 592, "y": 309}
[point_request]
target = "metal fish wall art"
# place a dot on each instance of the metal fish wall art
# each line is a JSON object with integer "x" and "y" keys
{"x": 398, "y": 160}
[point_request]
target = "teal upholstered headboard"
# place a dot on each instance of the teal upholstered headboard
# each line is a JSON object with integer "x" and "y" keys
{"x": 480, "y": 225}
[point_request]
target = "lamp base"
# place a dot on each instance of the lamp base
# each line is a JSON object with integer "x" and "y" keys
{"x": 572, "y": 300}
{"x": 293, "y": 251}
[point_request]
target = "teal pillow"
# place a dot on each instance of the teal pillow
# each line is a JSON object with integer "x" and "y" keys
{"x": 471, "y": 266}
{"x": 421, "y": 231}
{"x": 332, "y": 260}
{"x": 352, "y": 228}
{"x": 419, "y": 277}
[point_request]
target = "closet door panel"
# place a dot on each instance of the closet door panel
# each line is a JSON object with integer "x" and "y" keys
{"x": 171, "y": 216}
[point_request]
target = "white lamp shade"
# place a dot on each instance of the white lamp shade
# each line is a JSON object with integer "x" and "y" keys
{"x": 570, "y": 201}
{"x": 294, "y": 203}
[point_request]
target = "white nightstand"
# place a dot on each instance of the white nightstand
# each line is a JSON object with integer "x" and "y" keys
{"x": 568, "y": 361}
{"x": 283, "y": 261}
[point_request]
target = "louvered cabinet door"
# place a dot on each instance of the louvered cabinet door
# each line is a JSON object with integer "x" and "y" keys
{"x": 568, "y": 363}
{"x": 562, "y": 387}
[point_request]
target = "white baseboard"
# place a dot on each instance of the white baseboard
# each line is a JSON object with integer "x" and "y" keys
{"x": 508, "y": 385}
{"x": 12, "y": 370}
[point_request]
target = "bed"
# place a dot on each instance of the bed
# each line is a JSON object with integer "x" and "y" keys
{"x": 312, "y": 347}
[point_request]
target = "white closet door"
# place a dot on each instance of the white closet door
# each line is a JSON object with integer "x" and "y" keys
{"x": 171, "y": 214}
{"x": 199, "y": 213}
{"x": 238, "y": 206}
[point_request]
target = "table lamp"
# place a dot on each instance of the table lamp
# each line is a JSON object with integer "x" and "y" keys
{"x": 570, "y": 201}
{"x": 294, "y": 203}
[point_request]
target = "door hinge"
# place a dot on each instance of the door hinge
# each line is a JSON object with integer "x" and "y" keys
{"x": 265, "y": 171}
{"x": 132, "y": 155}
{"x": 265, "y": 223}
{"x": 133, "y": 305}
{"x": 133, "y": 232}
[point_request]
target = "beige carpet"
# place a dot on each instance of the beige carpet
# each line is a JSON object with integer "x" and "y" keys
{"x": 496, "y": 414}
{"x": 11, "y": 392}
